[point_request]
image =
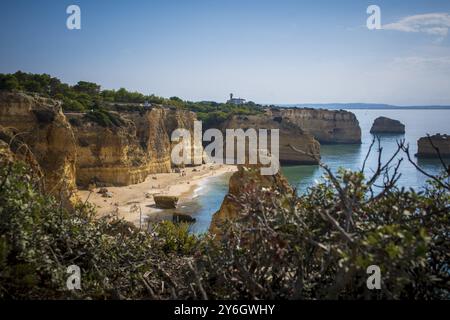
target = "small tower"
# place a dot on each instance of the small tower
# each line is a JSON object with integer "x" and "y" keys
{"x": 231, "y": 97}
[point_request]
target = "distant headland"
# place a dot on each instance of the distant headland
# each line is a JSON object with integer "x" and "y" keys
{"x": 360, "y": 106}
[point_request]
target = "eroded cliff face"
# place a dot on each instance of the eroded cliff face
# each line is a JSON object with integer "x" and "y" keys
{"x": 40, "y": 125}
{"x": 289, "y": 135}
{"x": 128, "y": 154}
{"x": 108, "y": 155}
{"x": 247, "y": 186}
{"x": 72, "y": 149}
{"x": 327, "y": 126}
{"x": 175, "y": 119}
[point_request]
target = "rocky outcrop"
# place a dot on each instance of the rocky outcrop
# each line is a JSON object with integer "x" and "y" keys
{"x": 289, "y": 135}
{"x": 426, "y": 146}
{"x": 327, "y": 126}
{"x": 73, "y": 149}
{"x": 41, "y": 126}
{"x": 387, "y": 125}
{"x": 247, "y": 186}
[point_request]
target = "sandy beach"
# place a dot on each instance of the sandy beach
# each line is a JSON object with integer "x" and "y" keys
{"x": 135, "y": 202}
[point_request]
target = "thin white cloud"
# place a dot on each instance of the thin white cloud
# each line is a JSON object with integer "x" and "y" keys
{"x": 431, "y": 23}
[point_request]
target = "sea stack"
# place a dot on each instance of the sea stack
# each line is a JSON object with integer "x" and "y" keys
{"x": 246, "y": 187}
{"x": 427, "y": 146}
{"x": 386, "y": 125}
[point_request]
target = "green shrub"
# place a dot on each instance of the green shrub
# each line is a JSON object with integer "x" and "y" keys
{"x": 39, "y": 239}
{"x": 175, "y": 237}
{"x": 105, "y": 118}
{"x": 8, "y": 82}
{"x": 73, "y": 105}
{"x": 306, "y": 251}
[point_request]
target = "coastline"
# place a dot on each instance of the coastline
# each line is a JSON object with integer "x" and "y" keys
{"x": 140, "y": 196}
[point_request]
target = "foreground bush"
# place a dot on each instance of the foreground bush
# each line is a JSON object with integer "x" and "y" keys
{"x": 39, "y": 239}
{"x": 316, "y": 246}
{"x": 320, "y": 245}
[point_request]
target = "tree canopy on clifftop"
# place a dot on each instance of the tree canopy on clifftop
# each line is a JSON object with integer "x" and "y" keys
{"x": 85, "y": 96}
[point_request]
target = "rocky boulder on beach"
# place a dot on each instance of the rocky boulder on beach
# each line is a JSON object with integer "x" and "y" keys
{"x": 165, "y": 202}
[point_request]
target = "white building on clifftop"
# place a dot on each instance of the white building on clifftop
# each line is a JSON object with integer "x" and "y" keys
{"x": 236, "y": 101}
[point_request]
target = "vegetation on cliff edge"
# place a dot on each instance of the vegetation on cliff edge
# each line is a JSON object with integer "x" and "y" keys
{"x": 88, "y": 96}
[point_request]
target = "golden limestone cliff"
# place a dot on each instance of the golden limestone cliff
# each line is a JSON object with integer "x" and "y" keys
{"x": 327, "y": 126}
{"x": 39, "y": 125}
{"x": 290, "y": 135}
{"x": 115, "y": 155}
{"x": 127, "y": 154}
{"x": 75, "y": 149}
{"x": 185, "y": 119}
{"x": 246, "y": 187}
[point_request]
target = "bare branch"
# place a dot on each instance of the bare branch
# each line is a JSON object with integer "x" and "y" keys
{"x": 368, "y": 154}
{"x": 434, "y": 178}
{"x": 446, "y": 168}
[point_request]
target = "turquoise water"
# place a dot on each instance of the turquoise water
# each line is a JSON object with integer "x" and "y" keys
{"x": 418, "y": 123}
{"x": 207, "y": 200}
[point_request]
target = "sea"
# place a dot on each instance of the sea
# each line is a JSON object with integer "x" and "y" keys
{"x": 209, "y": 196}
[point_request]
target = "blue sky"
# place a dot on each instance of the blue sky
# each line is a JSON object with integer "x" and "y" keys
{"x": 265, "y": 51}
